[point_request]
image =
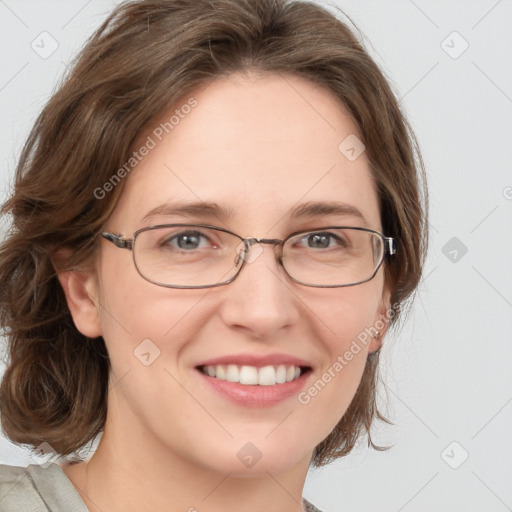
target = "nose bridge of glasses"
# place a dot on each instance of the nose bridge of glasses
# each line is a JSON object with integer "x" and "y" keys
{"x": 249, "y": 242}
{"x": 271, "y": 241}
{"x": 274, "y": 241}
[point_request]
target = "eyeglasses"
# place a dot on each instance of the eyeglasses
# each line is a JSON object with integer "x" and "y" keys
{"x": 202, "y": 256}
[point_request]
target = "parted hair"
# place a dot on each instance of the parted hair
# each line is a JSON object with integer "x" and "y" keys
{"x": 142, "y": 59}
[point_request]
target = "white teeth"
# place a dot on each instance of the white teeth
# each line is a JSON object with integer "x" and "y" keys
{"x": 281, "y": 374}
{"x": 232, "y": 373}
{"x": 267, "y": 376}
{"x": 251, "y": 375}
{"x": 221, "y": 372}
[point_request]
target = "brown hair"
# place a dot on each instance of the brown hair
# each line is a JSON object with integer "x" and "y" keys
{"x": 146, "y": 56}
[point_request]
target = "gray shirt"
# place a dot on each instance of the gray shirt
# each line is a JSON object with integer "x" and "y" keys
{"x": 46, "y": 489}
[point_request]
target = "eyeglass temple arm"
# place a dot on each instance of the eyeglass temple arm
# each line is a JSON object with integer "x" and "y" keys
{"x": 118, "y": 240}
{"x": 390, "y": 245}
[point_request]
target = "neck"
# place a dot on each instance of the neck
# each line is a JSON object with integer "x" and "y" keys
{"x": 131, "y": 470}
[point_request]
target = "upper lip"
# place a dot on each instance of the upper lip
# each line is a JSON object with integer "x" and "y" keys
{"x": 256, "y": 360}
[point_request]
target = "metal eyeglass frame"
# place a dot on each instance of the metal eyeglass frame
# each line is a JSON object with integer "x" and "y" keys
{"x": 389, "y": 244}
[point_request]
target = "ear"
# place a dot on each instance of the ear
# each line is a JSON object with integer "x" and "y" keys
{"x": 381, "y": 321}
{"x": 81, "y": 290}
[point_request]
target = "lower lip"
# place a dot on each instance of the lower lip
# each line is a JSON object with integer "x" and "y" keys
{"x": 256, "y": 396}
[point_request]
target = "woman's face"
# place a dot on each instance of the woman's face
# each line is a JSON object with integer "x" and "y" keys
{"x": 258, "y": 146}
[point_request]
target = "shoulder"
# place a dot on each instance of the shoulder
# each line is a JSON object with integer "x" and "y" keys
{"x": 37, "y": 488}
{"x": 309, "y": 507}
{"x": 17, "y": 490}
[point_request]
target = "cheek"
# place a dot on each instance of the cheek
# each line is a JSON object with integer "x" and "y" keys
{"x": 138, "y": 317}
{"x": 346, "y": 315}
{"x": 344, "y": 327}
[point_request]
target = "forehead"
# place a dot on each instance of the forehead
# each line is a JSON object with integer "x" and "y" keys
{"x": 256, "y": 145}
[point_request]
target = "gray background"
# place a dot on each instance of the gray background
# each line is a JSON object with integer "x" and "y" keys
{"x": 448, "y": 372}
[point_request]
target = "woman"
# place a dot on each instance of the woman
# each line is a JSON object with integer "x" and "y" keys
{"x": 216, "y": 220}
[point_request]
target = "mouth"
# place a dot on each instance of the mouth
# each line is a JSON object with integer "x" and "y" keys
{"x": 246, "y": 375}
{"x": 255, "y": 380}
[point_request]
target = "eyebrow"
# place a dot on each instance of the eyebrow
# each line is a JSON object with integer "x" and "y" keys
{"x": 200, "y": 208}
{"x": 211, "y": 210}
{"x": 323, "y": 209}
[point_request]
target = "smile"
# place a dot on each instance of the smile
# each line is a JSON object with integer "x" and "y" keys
{"x": 252, "y": 375}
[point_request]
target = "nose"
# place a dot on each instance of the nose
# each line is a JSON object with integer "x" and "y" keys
{"x": 261, "y": 300}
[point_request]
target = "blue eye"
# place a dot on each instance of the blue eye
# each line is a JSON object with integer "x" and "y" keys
{"x": 186, "y": 240}
{"x": 322, "y": 240}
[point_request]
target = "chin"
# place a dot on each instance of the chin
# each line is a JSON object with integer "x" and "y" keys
{"x": 247, "y": 459}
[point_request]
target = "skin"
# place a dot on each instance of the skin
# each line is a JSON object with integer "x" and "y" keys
{"x": 258, "y": 144}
